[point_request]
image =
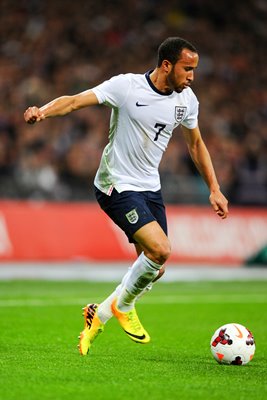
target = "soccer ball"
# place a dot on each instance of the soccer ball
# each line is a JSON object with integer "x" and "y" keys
{"x": 232, "y": 344}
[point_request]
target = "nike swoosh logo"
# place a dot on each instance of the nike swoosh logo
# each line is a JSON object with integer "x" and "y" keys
{"x": 135, "y": 336}
{"x": 140, "y": 105}
{"x": 240, "y": 334}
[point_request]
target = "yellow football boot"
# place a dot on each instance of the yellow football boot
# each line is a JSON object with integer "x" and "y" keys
{"x": 131, "y": 324}
{"x": 93, "y": 327}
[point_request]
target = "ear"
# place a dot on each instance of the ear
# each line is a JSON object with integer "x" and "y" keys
{"x": 166, "y": 66}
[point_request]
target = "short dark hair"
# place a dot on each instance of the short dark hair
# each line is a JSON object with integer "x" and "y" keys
{"x": 171, "y": 49}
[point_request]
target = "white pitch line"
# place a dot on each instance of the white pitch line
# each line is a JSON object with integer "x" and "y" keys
{"x": 43, "y": 302}
{"x": 208, "y": 299}
{"x": 113, "y": 272}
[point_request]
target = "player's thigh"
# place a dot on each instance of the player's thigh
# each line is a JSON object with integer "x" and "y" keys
{"x": 153, "y": 241}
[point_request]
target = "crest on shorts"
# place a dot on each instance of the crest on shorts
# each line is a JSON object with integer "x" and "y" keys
{"x": 132, "y": 216}
{"x": 180, "y": 113}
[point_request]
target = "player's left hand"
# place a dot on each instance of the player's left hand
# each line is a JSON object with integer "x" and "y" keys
{"x": 219, "y": 204}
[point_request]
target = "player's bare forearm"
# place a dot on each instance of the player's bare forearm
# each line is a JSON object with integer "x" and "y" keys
{"x": 202, "y": 161}
{"x": 204, "y": 165}
{"x": 60, "y": 106}
{"x": 201, "y": 158}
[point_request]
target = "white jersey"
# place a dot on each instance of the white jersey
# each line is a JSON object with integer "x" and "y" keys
{"x": 141, "y": 125}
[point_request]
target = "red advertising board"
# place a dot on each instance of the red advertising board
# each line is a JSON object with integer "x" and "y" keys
{"x": 68, "y": 231}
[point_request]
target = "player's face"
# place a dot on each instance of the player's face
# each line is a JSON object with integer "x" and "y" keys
{"x": 181, "y": 74}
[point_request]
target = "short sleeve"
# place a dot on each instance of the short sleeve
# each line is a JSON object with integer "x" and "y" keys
{"x": 114, "y": 91}
{"x": 191, "y": 120}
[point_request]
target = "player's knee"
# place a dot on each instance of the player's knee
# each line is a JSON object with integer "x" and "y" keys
{"x": 161, "y": 252}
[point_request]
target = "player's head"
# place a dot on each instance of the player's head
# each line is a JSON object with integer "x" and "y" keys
{"x": 171, "y": 49}
{"x": 177, "y": 60}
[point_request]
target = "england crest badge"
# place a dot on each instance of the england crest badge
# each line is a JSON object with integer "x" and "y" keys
{"x": 180, "y": 112}
{"x": 132, "y": 216}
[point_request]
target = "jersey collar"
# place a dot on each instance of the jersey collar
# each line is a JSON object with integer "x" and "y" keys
{"x": 147, "y": 75}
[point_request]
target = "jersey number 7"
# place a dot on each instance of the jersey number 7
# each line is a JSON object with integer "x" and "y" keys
{"x": 160, "y": 127}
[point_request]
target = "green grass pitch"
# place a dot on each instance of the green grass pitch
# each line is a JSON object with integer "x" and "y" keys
{"x": 40, "y": 322}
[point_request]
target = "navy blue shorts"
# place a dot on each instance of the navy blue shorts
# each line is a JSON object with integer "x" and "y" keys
{"x": 131, "y": 210}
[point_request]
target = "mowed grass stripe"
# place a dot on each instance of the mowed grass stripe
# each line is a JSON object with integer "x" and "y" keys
{"x": 40, "y": 324}
{"x": 164, "y": 299}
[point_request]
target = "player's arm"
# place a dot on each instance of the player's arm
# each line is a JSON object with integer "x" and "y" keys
{"x": 201, "y": 158}
{"x": 60, "y": 106}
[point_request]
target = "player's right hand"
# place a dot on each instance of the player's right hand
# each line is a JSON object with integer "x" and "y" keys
{"x": 33, "y": 114}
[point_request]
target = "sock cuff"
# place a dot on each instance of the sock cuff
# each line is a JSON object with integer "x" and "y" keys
{"x": 151, "y": 263}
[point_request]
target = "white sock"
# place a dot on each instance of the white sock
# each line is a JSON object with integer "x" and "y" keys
{"x": 104, "y": 309}
{"x": 145, "y": 290}
{"x": 142, "y": 273}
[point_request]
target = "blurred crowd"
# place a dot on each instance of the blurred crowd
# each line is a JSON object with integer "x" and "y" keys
{"x": 49, "y": 48}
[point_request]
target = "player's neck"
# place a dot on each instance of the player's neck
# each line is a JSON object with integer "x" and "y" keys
{"x": 159, "y": 81}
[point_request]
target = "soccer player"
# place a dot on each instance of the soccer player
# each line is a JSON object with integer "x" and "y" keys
{"x": 145, "y": 110}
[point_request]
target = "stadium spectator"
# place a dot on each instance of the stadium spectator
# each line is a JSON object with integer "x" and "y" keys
{"x": 48, "y": 48}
